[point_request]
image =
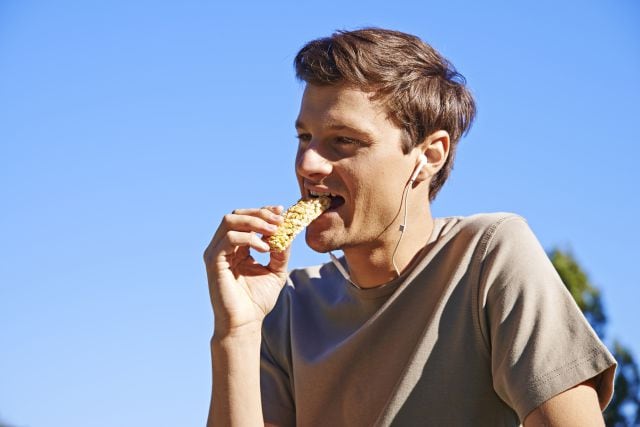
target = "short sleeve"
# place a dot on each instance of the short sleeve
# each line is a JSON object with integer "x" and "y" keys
{"x": 278, "y": 406}
{"x": 540, "y": 343}
{"x": 277, "y": 402}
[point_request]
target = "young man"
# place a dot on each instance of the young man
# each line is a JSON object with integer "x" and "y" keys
{"x": 445, "y": 321}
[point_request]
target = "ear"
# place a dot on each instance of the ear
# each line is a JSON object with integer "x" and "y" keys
{"x": 436, "y": 148}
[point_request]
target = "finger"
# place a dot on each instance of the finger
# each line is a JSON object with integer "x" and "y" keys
{"x": 277, "y": 209}
{"x": 243, "y": 252}
{"x": 241, "y": 222}
{"x": 270, "y": 214}
{"x": 279, "y": 260}
{"x": 239, "y": 239}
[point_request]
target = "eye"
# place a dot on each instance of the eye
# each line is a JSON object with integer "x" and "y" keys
{"x": 343, "y": 140}
{"x": 303, "y": 137}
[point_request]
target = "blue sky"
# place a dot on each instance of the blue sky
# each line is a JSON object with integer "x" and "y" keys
{"x": 127, "y": 129}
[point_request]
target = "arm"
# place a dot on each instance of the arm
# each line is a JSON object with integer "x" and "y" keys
{"x": 235, "y": 398}
{"x": 577, "y": 406}
{"x": 242, "y": 293}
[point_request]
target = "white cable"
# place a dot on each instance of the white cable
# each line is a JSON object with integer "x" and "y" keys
{"x": 403, "y": 226}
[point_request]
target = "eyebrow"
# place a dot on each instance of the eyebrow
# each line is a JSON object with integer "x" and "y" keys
{"x": 339, "y": 126}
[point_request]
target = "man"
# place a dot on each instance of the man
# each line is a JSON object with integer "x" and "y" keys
{"x": 424, "y": 321}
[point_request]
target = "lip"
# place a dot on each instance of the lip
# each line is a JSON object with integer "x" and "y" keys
{"x": 319, "y": 189}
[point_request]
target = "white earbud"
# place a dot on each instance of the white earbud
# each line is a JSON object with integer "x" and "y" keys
{"x": 423, "y": 161}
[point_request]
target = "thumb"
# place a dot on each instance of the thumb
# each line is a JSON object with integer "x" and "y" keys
{"x": 278, "y": 262}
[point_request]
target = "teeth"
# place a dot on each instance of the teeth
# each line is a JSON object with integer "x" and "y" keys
{"x": 318, "y": 194}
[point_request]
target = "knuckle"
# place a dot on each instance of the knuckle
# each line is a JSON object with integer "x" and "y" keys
{"x": 209, "y": 256}
{"x": 232, "y": 237}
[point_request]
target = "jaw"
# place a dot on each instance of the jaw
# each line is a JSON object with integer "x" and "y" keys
{"x": 326, "y": 233}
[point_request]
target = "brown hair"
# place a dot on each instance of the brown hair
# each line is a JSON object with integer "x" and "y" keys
{"x": 422, "y": 91}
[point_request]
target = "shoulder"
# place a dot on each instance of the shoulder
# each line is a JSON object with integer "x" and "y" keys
{"x": 508, "y": 251}
{"x": 502, "y": 252}
{"x": 307, "y": 285}
{"x": 306, "y": 291}
{"x": 300, "y": 277}
{"x": 484, "y": 223}
{"x": 322, "y": 278}
{"x": 483, "y": 229}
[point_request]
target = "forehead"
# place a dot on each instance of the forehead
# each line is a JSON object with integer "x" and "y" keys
{"x": 341, "y": 105}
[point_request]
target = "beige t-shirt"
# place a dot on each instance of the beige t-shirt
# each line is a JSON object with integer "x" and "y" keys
{"x": 480, "y": 331}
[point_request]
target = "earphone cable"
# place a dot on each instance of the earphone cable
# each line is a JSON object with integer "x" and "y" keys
{"x": 403, "y": 226}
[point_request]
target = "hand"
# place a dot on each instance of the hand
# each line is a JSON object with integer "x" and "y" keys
{"x": 242, "y": 291}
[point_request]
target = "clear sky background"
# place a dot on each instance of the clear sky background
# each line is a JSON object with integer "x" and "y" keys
{"x": 128, "y": 128}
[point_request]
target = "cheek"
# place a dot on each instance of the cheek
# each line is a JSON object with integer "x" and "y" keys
{"x": 383, "y": 194}
{"x": 375, "y": 186}
{"x": 296, "y": 163}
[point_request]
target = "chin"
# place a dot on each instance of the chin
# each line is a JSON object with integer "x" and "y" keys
{"x": 320, "y": 244}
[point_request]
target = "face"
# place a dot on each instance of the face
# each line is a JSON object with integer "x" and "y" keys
{"x": 348, "y": 147}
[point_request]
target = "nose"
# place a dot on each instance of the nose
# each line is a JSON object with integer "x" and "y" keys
{"x": 311, "y": 164}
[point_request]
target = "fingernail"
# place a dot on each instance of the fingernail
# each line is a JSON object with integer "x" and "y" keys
{"x": 272, "y": 227}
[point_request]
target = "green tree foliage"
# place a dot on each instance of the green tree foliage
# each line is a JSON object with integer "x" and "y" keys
{"x": 624, "y": 409}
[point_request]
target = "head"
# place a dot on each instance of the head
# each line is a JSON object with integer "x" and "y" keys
{"x": 418, "y": 89}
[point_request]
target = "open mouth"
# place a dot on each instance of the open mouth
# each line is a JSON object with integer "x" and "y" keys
{"x": 336, "y": 200}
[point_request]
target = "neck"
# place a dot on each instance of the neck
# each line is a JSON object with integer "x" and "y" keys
{"x": 373, "y": 265}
